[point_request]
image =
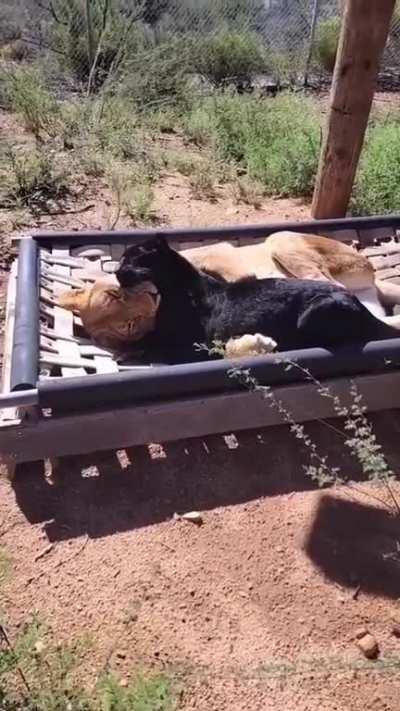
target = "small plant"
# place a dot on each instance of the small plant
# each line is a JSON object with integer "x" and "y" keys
{"x": 198, "y": 125}
{"x": 116, "y": 130}
{"x": 164, "y": 120}
{"x": 38, "y": 675}
{"x": 248, "y": 191}
{"x": 285, "y": 66}
{"x": 31, "y": 100}
{"x": 182, "y": 162}
{"x": 92, "y": 163}
{"x": 76, "y": 122}
{"x": 32, "y": 178}
{"x": 326, "y": 43}
{"x": 151, "y": 693}
{"x": 138, "y": 202}
{"x": 202, "y": 181}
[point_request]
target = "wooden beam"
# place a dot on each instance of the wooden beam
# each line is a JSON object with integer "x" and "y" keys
{"x": 363, "y": 36}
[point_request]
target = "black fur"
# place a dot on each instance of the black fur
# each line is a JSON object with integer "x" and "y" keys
{"x": 197, "y": 308}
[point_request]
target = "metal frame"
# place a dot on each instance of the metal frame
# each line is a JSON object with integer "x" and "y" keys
{"x": 25, "y": 350}
{"x": 218, "y": 233}
{"x": 178, "y": 389}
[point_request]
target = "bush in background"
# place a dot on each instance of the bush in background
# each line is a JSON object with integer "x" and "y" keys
{"x": 230, "y": 57}
{"x": 377, "y": 187}
{"x": 326, "y": 43}
{"x": 157, "y": 76}
{"x": 28, "y": 96}
{"x": 275, "y": 141}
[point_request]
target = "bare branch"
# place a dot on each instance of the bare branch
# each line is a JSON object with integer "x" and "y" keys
{"x": 35, "y": 43}
{"x": 51, "y": 9}
{"x": 99, "y": 46}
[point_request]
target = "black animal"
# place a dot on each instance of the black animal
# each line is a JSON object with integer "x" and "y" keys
{"x": 197, "y": 308}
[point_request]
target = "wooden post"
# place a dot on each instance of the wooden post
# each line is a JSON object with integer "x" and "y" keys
{"x": 362, "y": 40}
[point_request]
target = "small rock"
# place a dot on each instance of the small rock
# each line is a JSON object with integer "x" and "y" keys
{"x": 43, "y": 552}
{"x": 193, "y": 516}
{"x": 368, "y": 646}
{"x": 39, "y": 647}
{"x": 124, "y": 683}
{"x": 396, "y": 629}
{"x": 360, "y": 632}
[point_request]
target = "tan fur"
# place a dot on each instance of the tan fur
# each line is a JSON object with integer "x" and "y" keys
{"x": 288, "y": 254}
{"x": 113, "y": 316}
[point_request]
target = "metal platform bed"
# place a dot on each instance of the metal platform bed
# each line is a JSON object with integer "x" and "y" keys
{"x": 62, "y": 395}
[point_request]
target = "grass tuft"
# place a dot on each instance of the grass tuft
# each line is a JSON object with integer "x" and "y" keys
{"x": 38, "y": 675}
{"x": 32, "y": 178}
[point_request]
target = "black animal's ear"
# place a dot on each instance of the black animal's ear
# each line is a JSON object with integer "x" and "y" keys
{"x": 162, "y": 244}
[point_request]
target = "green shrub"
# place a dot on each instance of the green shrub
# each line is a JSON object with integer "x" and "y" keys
{"x": 38, "y": 675}
{"x": 151, "y": 693}
{"x": 275, "y": 141}
{"x": 199, "y": 125}
{"x": 31, "y": 177}
{"x": 138, "y": 203}
{"x": 377, "y": 187}
{"x": 116, "y": 130}
{"x": 326, "y": 43}
{"x": 202, "y": 180}
{"x": 248, "y": 191}
{"x": 29, "y": 97}
{"x": 286, "y": 65}
{"x": 157, "y": 76}
{"x": 230, "y": 57}
{"x": 76, "y": 121}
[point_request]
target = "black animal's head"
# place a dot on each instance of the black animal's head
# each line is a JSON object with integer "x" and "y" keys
{"x": 143, "y": 262}
{"x": 156, "y": 262}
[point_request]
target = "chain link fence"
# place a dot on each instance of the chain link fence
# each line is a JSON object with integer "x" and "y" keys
{"x": 153, "y": 45}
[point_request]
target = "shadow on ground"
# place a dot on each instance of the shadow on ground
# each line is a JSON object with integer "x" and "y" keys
{"x": 108, "y": 492}
{"x": 356, "y": 545}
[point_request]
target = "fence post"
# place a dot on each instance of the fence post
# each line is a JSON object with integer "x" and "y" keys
{"x": 365, "y": 27}
{"x": 90, "y": 38}
{"x": 311, "y": 40}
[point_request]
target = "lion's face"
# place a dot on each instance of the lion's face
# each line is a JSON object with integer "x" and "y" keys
{"x": 111, "y": 315}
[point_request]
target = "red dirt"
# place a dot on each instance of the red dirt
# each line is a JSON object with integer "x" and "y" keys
{"x": 257, "y": 608}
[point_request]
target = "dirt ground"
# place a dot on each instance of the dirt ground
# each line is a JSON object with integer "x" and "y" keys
{"x": 257, "y": 608}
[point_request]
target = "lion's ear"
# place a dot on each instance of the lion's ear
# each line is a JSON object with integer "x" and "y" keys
{"x": 115, "y": 293}
{"x": 74, "y": 299}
